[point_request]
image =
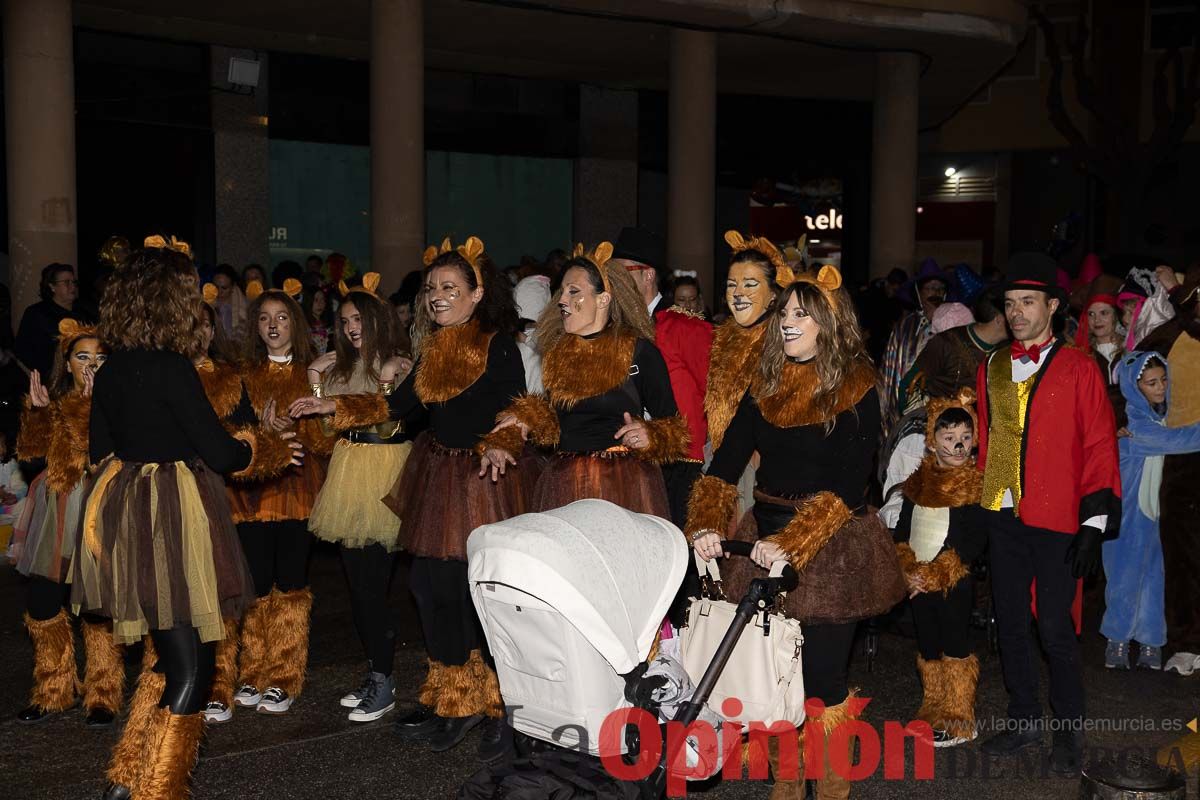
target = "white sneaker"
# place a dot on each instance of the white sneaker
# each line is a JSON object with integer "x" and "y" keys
{"x": 247, "y": 696}
{"x": 217, "y": 712}
{"x": 1183, "y": 663}
{"x": 274, "y": 701}
{"x": 378, "y": 699}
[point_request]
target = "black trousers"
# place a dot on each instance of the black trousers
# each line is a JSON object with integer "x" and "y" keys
{"x": 448, "y": 618}
{"x": 369, "y": 572}
{"x": 188, "y": 666}
{"x": 944, "y": 622}
{"x": 679, "y": 477}
{"x": 1019, "y": 554}
{"x": 277, "y": 553}
{"x": 826, "y": 661}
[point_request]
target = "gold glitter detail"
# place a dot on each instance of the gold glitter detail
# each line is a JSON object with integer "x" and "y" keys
{"x": 1007, "y": 404}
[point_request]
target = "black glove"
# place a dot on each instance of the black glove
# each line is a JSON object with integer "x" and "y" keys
{"x": 1084, "y": 554}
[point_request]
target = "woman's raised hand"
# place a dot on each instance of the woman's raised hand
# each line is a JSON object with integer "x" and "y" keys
{"x": 39, "y": 396}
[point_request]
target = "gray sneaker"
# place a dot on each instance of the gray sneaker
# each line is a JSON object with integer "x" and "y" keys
{"x": 1116, "y": 655}
{"x": 378, "y": 698}
{"x": 1149, "y": 657}
{"x": 352, "y": 699}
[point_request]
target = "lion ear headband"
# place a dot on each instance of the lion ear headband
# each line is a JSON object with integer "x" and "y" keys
{"x": 291, "y": 287}
{"x": 784, "y": 274}
{"x": 599, "y": 257}
{"x": 70, "y": 331}
{"x": 178, "y": 245}
{"x": 370, "y": 282}
{"x": 471, "y": 250}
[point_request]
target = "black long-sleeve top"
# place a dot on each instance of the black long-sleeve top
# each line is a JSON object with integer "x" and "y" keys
{"x": 462, "y": 420}
{"x": 966, "y": 533}
{"x": 590, "y": 425}
{"x": 803, "y": 460}
{"x": 149, "y": 406}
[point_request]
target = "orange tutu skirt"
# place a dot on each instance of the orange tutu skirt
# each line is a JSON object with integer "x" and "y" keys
{"x": 617, "y": 476}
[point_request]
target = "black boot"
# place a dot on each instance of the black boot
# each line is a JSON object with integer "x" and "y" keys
{"x": 419, "y": 723}
{"x": 1009, "y": 742}
{"x": 99, "y": 718}
{"x": 496, "y": 740}
{"x": 452, "y": 731}
{"x": 117, "y": 792}
{"x": 1066, "y": 753}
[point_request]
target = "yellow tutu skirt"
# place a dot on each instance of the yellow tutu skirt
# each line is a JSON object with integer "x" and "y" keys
{"x": 349, "y": 509}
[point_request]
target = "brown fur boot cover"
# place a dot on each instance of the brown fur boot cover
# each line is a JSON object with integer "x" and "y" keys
{"x": 171, "y": 752}
{"x": 104, "y": 668}
{"x": 960, "y": 676}
{"x": 55, "y": 681}
{"x": 287, "y": 640}
{"x": 431, "y": 689}
{"x": 933, "y": 686}
{"x": 253, "y": 659}
{"x": 226, "y": 672}
{"x": 127, "y": 762}
{"x": 792, "y": 789}
{"x": 469, "y": 689}
{"x": 832, "y": 786}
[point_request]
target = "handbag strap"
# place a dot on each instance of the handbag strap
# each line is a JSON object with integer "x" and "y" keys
{"x": 713, "y": 571}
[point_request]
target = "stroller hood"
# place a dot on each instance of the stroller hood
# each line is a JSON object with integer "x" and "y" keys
{"x": 610, "y": 572}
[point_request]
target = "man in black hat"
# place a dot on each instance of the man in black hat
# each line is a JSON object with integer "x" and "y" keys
{"x": 642, "y": 253}
{"x": 1051, "y": 486}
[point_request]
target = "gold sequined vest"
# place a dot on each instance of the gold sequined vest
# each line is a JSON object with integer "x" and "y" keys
{"x": 1008, "y": 403}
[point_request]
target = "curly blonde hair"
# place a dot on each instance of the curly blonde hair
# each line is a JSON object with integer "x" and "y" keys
{"x": 840, "y": 343}
{"x": 626, "y": 313}
{"x": 153, "y": 302}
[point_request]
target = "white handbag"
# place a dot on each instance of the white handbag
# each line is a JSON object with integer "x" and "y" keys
{"x": 764, "y": 672}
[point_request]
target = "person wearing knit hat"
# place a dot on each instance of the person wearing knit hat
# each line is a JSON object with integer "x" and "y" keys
{"x": 950, "y": 315}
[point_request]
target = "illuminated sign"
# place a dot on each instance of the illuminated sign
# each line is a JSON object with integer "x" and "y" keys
{"x": 824, "y": 222}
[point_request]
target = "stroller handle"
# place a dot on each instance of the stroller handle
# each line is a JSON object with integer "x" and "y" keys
{"x": 784, "y": 583}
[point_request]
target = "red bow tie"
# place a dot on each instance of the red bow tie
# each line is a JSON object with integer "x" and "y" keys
{"x": 1033, "y": 352}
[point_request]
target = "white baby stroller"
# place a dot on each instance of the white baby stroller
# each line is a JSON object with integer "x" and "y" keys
{"x": 567, "y": 613}
{"x": 571, "y": 601}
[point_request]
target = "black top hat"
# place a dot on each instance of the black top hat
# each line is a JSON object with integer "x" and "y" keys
{"x": 1033, "y": 271}
{"x": 643, "y": 246}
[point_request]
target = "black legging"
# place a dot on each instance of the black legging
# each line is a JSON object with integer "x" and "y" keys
{"x": 369, "y": 571}
{"x": 45, "y": 598}
{"x": 943, "y": 623}
{"x": 826, "y": 661}
{"x": 188, "y": 665}
{"x": 448, "y": 617}
{"x": 277, "y": 553}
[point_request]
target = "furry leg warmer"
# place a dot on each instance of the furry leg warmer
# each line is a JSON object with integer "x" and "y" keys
{"x": 170, "y": 755}
{"x": 830, "y": 785}
{"x": 469, "y": 689}
{"x": 287, "y": 640}
{"x": 104, "y": 668}
{"x": 127, "y": 764}
{"x": 431, "y": 690}
{"x": 55, "y": 681}
{"x": 254, "y": 641}
{"x": 791, "y": 788}
{"x": 226, "y": 670}
{"x": 960, "y": 677}
{"x": 933, "y": 687}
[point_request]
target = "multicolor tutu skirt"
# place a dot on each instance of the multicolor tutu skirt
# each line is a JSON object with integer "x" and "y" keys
{"x": 48, "y": 529}
{"x": 440, "y": 498}
{"x": 350, "y": 507}
{"x": 616, "y": 475}
{"x": 159, "y": 550}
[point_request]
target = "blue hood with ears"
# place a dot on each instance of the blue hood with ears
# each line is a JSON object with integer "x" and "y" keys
{"x": 1130, "y": 368}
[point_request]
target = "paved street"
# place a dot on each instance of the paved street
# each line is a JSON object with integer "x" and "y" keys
{"x": 314, "y": 752}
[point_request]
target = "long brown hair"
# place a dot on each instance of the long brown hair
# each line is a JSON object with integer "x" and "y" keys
{"x": 219, "y": 349}
{"x": 378, "y": 336}
{"x": 495, "y": 312}
{"x": 254, "y": 349}
{"x": 153, "y": 302}
{"x": 840, "y": 342}
{"x": 626, "y": 313}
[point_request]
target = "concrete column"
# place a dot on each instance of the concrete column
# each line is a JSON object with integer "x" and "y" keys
{"x": 39, "y": 113}
{"x": 606, "y": 172}
{"x": 691, "y": 165}
{"x": 242, "y": 163}
{"x": 894, "y": 163}
{"x": 397, "y": 139}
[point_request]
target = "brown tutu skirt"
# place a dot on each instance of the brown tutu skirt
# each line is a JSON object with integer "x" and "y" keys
{"x": 855, "y": 576}
{"x": 617, "y": 476}
{"x": 159, "y": 550}
{"x": 440, "y": 498}
{"x": 290, "y": 496}
{"x": 46, "y": 533}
